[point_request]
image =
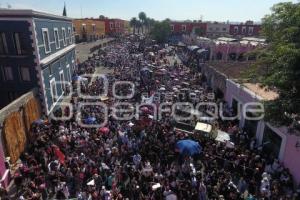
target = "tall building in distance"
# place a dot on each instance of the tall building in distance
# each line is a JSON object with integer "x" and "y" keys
{"x": 37, "y": 50}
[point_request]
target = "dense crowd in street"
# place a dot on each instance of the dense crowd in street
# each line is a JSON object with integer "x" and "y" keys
{"x": 138, "y": 158}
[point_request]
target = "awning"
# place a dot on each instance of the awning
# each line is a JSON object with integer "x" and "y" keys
{"x": 203, "y": 127}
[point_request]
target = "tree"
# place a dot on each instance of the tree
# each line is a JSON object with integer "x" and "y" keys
{"x": 142, "y": 17}
{"x": 199, "y": 31}
{"x": 139, "y": 25}
{"x": 101, "y": 17}
{"x": 133, "y": 23}
{"x": 278, "y": 65}
{"x": 161, "y": 31}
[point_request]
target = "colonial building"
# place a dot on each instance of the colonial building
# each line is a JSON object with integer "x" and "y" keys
{"x": 36, "y": 50}
{"x": 88, "y": 29}
{"x": 114, "y": 27}
{"x": 247, "y": 29}
{"x": 217, "y": 29}
{"x": 188, "y": 27}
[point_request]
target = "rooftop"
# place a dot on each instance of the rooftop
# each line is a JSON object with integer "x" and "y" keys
{"x": 234, "y": 71}
{"x": 21, "y": 13}
{"x": 263, "y": 92}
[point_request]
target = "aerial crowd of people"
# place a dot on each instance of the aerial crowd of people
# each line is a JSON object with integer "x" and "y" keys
{"x": 137, "y": 157}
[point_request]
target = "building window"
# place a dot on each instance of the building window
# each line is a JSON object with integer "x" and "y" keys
{"x": 62, "y": 81}
{"x": 172, "y": 27}
{"x": 183, "y": 27}
{"x": 50, "y": 69}
{"x": 46, "y": 40}
{"x": 3, "y": 44}
{"x": 56, "y": 37}
{"x": 70, "y": 35}
{"x": 224, "y": 29}
{"x": 69, "y": 73}
{"x": 236, "y": 29}
{"x": 17, "y": 43}
{"x": 244, "y": 29}
{"x": 64, "y": 36}
{"x": 250, "y": 30}
{"x": 24, "y": 73}
{"x": 53, "y": 90}
{"x": 111, "y": 24}
{"x": 83, "y": 27}
{"x": 7, "y": 74}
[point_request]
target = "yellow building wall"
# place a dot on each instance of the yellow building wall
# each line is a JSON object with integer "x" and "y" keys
{"x": 127, "y": 27}
{"x": 88, "y": 32}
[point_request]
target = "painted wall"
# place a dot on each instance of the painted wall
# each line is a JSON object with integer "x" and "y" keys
{"x": 177, "y": 27}
{"x": 256, "y": 30}
{"x": 50, "y": 25}
{"x": 292, "y": 156}
{"x": 96, "y": 31}
{"x": 289, "y": 155}
{"x": 215, "y": 29}
{"x": 65, "y": 63}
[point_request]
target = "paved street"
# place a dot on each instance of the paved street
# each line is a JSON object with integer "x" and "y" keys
{"x": 83, "y": 49}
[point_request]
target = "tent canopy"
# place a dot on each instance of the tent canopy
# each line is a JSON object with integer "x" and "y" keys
{"x": 207, "y": 128}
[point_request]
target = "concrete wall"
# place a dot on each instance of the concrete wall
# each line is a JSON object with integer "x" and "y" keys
{"x": 64, "y": 64}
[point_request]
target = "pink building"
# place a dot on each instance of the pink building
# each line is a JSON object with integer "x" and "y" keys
{"x": 279, "y": 142}
{"x": 226, "y": 49}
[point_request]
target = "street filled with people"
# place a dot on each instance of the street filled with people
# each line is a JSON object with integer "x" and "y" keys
{"x": 122, "y": 139}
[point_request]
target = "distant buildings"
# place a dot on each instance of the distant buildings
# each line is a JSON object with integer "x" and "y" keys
{"x": 36, "y": 50}
{"x": 114, "y": 27}
{"x": 247, "y": 29}
{"x": 88, "y": 29}
{"x": 187, "y": 27}
{"x": 216, "y": 29}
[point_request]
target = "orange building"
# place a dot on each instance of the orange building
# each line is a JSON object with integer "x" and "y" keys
{"x": 88, "y": 29}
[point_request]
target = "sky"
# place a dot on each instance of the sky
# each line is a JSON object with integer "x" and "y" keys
{"x": 207, "y": 10}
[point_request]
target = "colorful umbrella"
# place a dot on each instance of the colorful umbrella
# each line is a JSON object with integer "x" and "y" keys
{"x": 188, "y": 147}
{"x": 104, "y": 130}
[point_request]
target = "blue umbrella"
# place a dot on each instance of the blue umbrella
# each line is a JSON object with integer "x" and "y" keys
{"x": 76, "y": 78}
{"x": 188, "y": 147}
{"x": 90, "y": 120}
